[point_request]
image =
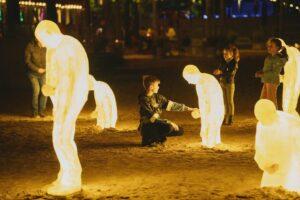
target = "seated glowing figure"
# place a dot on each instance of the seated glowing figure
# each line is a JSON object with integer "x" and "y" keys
{"x": 291, "y": 80}
{"x": 67, "y": 72}
{"x": 106, "y": 106}
{"x": 211, "y": 104}
{"x": 277, "y": 146}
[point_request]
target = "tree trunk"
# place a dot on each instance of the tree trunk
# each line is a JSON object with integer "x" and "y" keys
{"x": 127, "y": 22}
{"x": 280, "y": 18}
{"x": 154, "y": 19}
{"x": 13, "y": 15}
{"x": 87, "y": 12}
{"x": 51, "y": 11}
{"x": 208, "y": 20}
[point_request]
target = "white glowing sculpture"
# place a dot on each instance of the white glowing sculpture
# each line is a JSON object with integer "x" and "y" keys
{"x": 211, "y": 104}
{"x": 106, "y": 106}
{"x": 277, "y": 146}
{"x": 291, "y": 80}
{"x": 67, "y": 73}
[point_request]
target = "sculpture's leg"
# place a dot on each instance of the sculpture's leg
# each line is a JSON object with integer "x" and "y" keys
{"x": 211, "y": 135}
{"x": 69, "y": 177}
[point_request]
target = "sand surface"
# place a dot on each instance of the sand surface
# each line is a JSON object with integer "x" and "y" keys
{"x": 116, "y": 167}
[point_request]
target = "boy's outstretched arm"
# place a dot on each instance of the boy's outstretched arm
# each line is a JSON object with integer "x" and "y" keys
{"x": 169, "y": 105}
{"x": 174, "y": 106}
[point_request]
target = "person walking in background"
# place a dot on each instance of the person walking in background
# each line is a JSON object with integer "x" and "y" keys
{"x": 35, "y": 59}
{"x": 226, "y": 72}
{"x": 270, "y": 74}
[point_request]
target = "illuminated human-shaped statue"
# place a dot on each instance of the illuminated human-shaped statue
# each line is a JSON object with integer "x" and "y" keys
{"x": 106, "y": 106}
{"x": 67, "y": 74}
{"x": 277, "y": 146}
{"x": 211, "y": 104}
{"x": 291, "y": 80}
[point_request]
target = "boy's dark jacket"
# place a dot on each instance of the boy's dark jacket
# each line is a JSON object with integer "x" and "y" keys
{"x": 151, "y": 107}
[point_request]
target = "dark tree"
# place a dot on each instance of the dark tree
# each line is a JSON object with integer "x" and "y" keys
{"x": 51, "y": 10}
{"x": 87, "y": 7}
{"x": 264, "y": 12}
{"x": 126, "y": 19}
{"x": 13, "y": 13}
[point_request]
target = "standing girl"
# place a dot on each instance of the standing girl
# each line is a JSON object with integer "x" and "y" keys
{"x": 270, "y": 73}
{"x": 226, "y": 71}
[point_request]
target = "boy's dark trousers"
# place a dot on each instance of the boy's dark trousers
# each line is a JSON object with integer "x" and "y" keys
{"x": 158, "y": 132}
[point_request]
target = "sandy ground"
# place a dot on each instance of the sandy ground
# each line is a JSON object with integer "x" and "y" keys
{"x": 114, "y": 164}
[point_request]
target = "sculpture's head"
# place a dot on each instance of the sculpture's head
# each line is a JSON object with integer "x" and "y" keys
{"x": 48, "y": 34}
{"x": 191, "y": 74}
{"x": 283, "y": 43}
{"x": 265, "y": 111}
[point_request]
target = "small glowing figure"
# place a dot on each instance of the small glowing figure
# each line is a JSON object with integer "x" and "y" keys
{"x": 291, "y": 80}
{"x": 211, "y": 104}
{"x": 106, "y": 106}
{"x": 277, "y": 146}
{"x": 67, "y": 72}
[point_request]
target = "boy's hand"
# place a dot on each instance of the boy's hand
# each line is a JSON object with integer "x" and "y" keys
{"x": 195, "y": 113}
{"x": 175, "y": 126}
{"x": 190, "y": 109}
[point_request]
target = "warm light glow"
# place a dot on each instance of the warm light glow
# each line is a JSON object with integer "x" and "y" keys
{"x": 43, "y": 4}
{"x": 149, "y": 32}
{"x": 211, "y": 104}
{"x": 31, "y": 3}
{"x": 68, "y": 6}
{"x": 277, "y": 151}
{"x": 171, "y": 32}
{"x": 67, "y": 77}
{"x": 291, "y": 80}
{"x": 106, "y": 106}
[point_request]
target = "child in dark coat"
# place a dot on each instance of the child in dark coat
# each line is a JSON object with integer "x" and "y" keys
{"x": 153, "y": 128}
{"x": 226, "y": 72}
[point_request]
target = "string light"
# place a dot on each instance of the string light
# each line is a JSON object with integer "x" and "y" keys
{"x": 43, "y": 4}
{"x": 296, "y": 7}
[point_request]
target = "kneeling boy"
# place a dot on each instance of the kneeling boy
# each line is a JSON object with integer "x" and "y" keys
{"x": 154, "y": 129}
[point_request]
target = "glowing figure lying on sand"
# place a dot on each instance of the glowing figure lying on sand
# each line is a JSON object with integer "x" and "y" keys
{"x": 277, "y": 146}
{"x": 106, "y": 106}
{"x": 67, "y": 85}
{"x": 291, "y": 80}
{"x": 211, "y": 104}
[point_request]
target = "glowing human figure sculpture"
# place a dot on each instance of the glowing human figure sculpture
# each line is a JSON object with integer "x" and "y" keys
{"x": 277, "y": 146}
{"x": 67, "y": 72}
{"x": 211, "y": 104}
{"x": 291, "y": 80}
{"x": 106, "y": 106}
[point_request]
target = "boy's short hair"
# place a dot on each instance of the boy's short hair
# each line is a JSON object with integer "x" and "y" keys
{"x": 148, "y": 80}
